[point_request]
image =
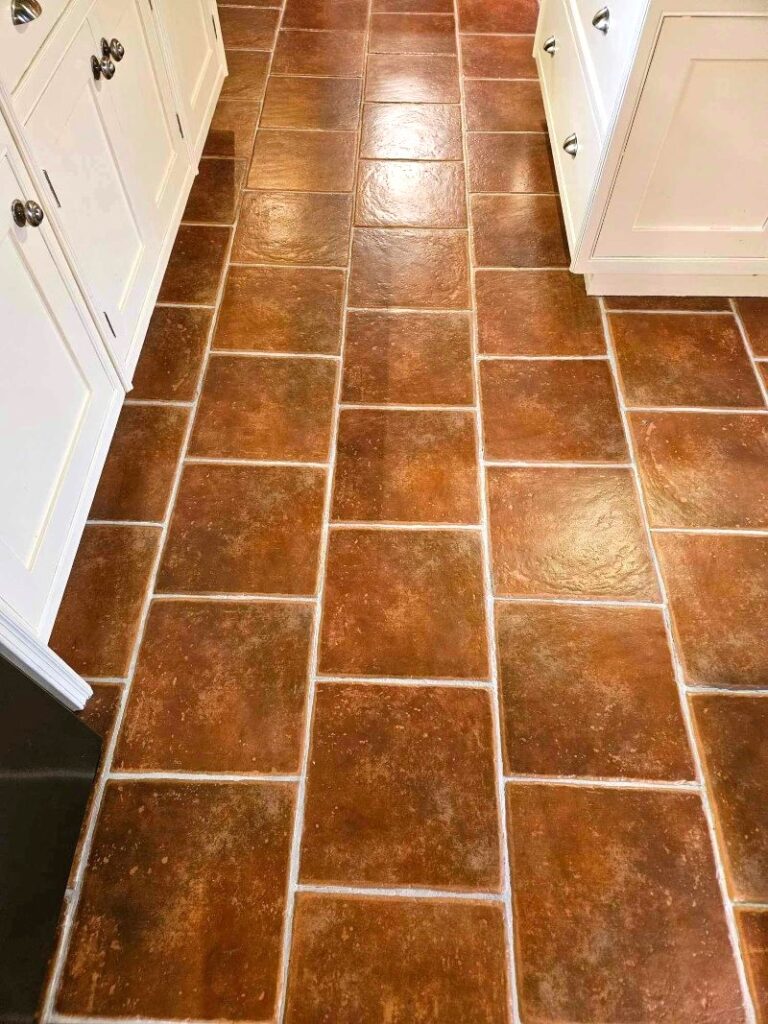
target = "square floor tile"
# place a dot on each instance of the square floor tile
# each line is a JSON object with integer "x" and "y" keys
{"x": 331, "y": 104}
{"x": 247, "y": 76}
{"x": 408, "y": 359}
{"x": 562, "y": 532}
{"x": 683, "y": 359}
{"x": 537, "y": 313}
{"x": 504, "y": 106}
{"x": 244, "y": 530}
{"x": 718, "y": 592}
{"x": 551, "y": 411}
{"x": 411, "y": 131}
{"x": 252, "y": 408}
{"x": 412, "y": 78}
{"x": 377, "y": 815}
{"x": 396, "y": 960}
{"x": 326, "y": 14}
{"x": 703, "y": 470}
{"x": 139, "y": 472}
{"x": 510, "y": 162}
{"x": 589, "y": 691}
{"x": 219, "y": 687}
{"x": 98, "y": 620}
{"x": 182, "y": 875}
{"x": 409, "y": 466}
{"x": 731, "y": 731}
{"x": 281, "y": 309}
{"x": 498, "y": 15}
{"x": 409, "y": 268}
{"x": 411, "y": 193}
{"x": 644, "y": 937}
{"x": 172, "y": 354}
{"x": 754, "y": 316}
{"x": 293, "y": 227}
{"x": 753, "y": 925}
{"x": 195, "y": 267}
{"x": 518, "y": 231}
{"x": 498, "y": 56}
{"x": 232, "y": 129}
{"x": 214, "y": 195}
{"x": 309, "y": 52}
{"x": 404, "y": 603}
{"x": 412, "y": 33}
{"x": 247, "y": 28}
{"x": 305, "y": 161}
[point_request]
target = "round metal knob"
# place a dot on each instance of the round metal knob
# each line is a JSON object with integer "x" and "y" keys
{"x": 113, "y": 49}
{"x": 602, "y": 19}
{"x": 550, "y": 45}
{"x": 24, "y": 11}
{"x": 571, "y": 145}
{"x": 29, "y": 213}
{"x": 103, "y": 67}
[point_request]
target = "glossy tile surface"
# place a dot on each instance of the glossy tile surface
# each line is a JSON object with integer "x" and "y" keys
{"x": 510, "y": 162}
{"x": 409, "y": 268}
{"x": 412, "y": 78}
{"x": 350, "y": 15}
{"x": 411, "y": 131}
{"x": 293, "y": 228}
{"x": 504, "y": 106}
{"x": 412, "y": 33}
{"x": 172, "y": 356}
{"x": 498, "y": 56}
{"x": 195, "y": 266}
{"x": 497, "y": 15}
{"x": 411, "y": 193}
{"x": 518, "y": 231}
{"x": 232, "y": 129}
{"x": 304, "y": 161}
{"x": 247, "y": 76}
{"x": 215, "y": 191}
{"x": 331, "y": 104}
{"x": 248, "y": 28}
{"x": 307, "y": 52}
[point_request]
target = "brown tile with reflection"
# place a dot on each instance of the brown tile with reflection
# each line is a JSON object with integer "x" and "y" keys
{"x": 293, "y": 227}
{"x": 504, "y": 106}
{"x": 683, "y": 359}
{"x": 101, "y": 710}
{"x": 172, "y": 354}
{"x": 330, "y": 104}
{"x": 99, "y": 616}
{"x": 335, "y": 53}
{"x": 412, "y": 78}
{"x": 244, "y": 530}
{"x": 349, "y": 15}
{"x": 498, "y": 56}
{"x": 411, "y": 131}
{"x": 197, "y": 870}
{"x": 195, "y": 267}
{"x": 731, "y": 731}
{"x": 703, "y": 470}
{"x": 219, "y": 687}
{"x": 411, "y": 193}
{"x": 754, "y": 316}
{"x": 248, "y": 28}
{"x": 359, "y": 959}
{"x": 753, "y": 925}
{"x": 551, "y": 411}
{"x": 412, "y": 33}
{"x": 518, "y": 231}
{"x": 589, "y": 691}
{"x": 247, "y": 76}
{"x": 214, "y": 195}
{"x": 536, "y": 313}
{"x": 265, "y": 408}
{"x": 232, "y": 129}
{"x": 562, "y": 532}
{"x": 139, "y": 472}
{"x": 718, "y": 592}
{"x": 304, "y": 161}
{"x": 498, "y": 15}
{"x": 411, "y": 466}
{"x": 376, "y": 815}
{"x": 404, "y": 603}
{"x": 645, "y": 937}
{"x": 510, "y": 162}
{"x": 408, "y": 359}
{"x": 281, "y": 309}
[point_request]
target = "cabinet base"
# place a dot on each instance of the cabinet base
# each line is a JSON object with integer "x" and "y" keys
{"x": 732, "y": 285}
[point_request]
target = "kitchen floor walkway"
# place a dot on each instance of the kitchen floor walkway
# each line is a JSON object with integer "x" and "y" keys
{"x": 421, "y": 591}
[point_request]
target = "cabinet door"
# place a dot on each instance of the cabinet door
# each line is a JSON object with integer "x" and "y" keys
{"x": 58, "y": 400}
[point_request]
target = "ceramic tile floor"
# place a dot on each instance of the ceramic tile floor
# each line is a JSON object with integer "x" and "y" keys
{"x": 424, "y": 597}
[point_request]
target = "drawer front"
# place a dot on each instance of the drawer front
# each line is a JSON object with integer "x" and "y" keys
{"x": 19, "y": 44}
{"x": 609, "y": 30}
{"x": 569, "y": 113}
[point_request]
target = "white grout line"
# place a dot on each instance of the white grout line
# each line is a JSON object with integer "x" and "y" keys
{"x": 762, "y": 383}
{"x": 214, "y": 460}
{"x": 166, "y": 776}
{"x": 105, "y": 680}
{"x": 235, "y": 598}
{"x": 600, "y": 602}
{"x": 364, "y": 525}
{"x": 242, "y": 353}
{"x": 669, "y": 312}
{"x": 494, "y": 358}
{"x": 710, "y": 411}
{"x": 726, "y": 691}
{"x": 398, "y": 310}
{"x": 602, "y": 782}
{"x": 400, "y": 892}
{"x": 123, "y": 522}
{"x": 64, "y": 1018}
{"x": 518, "y": 464}
{"x": 393, "y": 407}
{"x": 714, "y": 531}
{"x": 157, "y": 401}
{"x": 456, "y": 684}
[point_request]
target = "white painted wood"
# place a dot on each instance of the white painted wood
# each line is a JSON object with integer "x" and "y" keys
{"x": 677, "y": 284}
{"x": 19, "y": 44}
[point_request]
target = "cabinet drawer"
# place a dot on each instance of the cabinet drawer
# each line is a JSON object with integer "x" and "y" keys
{"x": 19, "y": 44}
{"x": 569, "y": 112}
{"x": 608, "y": 30}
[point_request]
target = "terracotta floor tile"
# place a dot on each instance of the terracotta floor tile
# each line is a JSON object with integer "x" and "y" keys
{"x": 411, "y": 131}
{"x": 247, "y": 28}
{"x": 411, "y": 193}
{"x": 537, "y": 313}
{"x": 195, "y": 266}
{"x": 252, "y": 408}
{"x": 409, "y": 268}
{"x": 753, "y": 925}
{"x": 326, "y": 14}
{"x": 731, "y": 732}
{"x": 410, "y": 78}
{"x": 498, "y": 56}
{"x": 331, "y": 104}
{"x": 558, "y": 411}
{"x": 589, "y": 691}
{"x": 377, "y": 815}
{"x": 681, "y": 359}
{"x": 138, "y": 475}
{"x": 172, "y": 355}
{"x": 410, "y": 466}
{"x": 412, "y": 33}
{"x": 703, "y": 471}
{"x": 404, "y": 603}
{"x": 498, "y": 15}
{"x": 101, "y": 710}
{"x": 504, "y": 106}
{"x": 518, "y": 231}
{"x": 408, "y": 359}
{"x": 307, "y": 161}
{"x": 214, "y": 195}
{"x": 401, "y": 961}
{"x": 644, "y": 937}
{"x": 281, "y": 309}
{"x": 244, "y": 530}
{"x": 569, "y": 533}
{"x": 309, "y": 52}
{"x": 99, "y": 615}
{"x": 754, "y": 316}
{"x": 247, "y": 76}
{"x": 293, "y": 227}
{"x": 184, "y": 897}
{"x": 219, "y": 687}
{"x": 232, "y": 129}
{"x": 510, "y": 163}
{"x": 718, "y": 591}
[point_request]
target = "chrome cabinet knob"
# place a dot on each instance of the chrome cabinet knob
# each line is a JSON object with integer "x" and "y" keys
{"x": 602, "y": 19}
{"x": 571, "y": 145}
{"x": 113, "y": 49}
{"x": 549, "y": 46}
{"x": 24, "y": 11}
{"x": 103, "y": 67}
{"x": 30, "y": 213}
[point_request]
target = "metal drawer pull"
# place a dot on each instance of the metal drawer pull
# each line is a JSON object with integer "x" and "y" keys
{"x": 571, "y": 145}
{"x": 30, "y": 213}
{"x": 103, "y": 67}
{"x": 602, "y": 20}
{"x": 550, "y": 45}
{"x": 113, "y": 49}
{"x": 24, "y": 11}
